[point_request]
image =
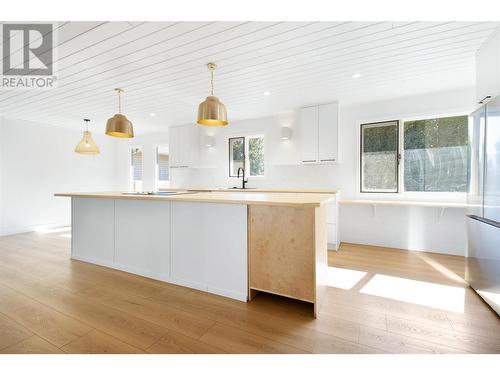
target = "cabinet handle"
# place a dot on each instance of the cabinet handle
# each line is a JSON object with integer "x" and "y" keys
{"x": 327, "y": 160}
{"x": 309, "y": 161}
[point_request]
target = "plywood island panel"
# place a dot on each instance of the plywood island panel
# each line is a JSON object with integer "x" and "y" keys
{"x": 287, "y": 251}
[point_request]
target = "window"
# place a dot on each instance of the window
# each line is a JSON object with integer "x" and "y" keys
{"x": 236, "y": 155}
{"x": 379, "y": 157}
{"x": 162, "y": 167}
{"x": 247, "y": 153}
{"x": 435, "y": 155}
{"x": 136, "y": 169}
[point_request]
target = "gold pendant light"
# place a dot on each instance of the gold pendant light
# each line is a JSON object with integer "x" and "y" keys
{"x": 119, "y": 126}
{"x": 212, "y": 112}
{"x": 87, "y": 146}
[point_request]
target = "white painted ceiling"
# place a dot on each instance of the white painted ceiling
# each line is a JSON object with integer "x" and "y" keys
{"x": 161, "y": 66}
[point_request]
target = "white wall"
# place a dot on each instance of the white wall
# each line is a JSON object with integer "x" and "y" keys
{"x": 36, "y": 161}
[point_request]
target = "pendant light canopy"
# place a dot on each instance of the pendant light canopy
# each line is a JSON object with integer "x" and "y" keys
{"x": 119, "y": 125}
{"x": 212, "y": 112}
{"x": 87, "y": 146}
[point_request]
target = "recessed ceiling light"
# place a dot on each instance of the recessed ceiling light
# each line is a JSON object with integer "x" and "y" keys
{"x": 267, "y": 93}
{"x": 152, "y": 114}
{"x": 356, "y": 75}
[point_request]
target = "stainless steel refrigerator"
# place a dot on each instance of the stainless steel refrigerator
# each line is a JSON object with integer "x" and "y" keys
{"x": 483, "y": 218}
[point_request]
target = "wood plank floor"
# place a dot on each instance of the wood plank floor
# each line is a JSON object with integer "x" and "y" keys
{"x": 379, "y": 301}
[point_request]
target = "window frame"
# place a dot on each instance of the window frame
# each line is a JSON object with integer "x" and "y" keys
{"x": 246, "y": 154}
{"x": 398, "y": 157}
{"x": 229, "y": 153}
{"x": 402, "y": 193}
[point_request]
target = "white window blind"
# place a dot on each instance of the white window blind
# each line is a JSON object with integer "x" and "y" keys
{"x": 136, "y": 168}
{"x": 163, "y": 167}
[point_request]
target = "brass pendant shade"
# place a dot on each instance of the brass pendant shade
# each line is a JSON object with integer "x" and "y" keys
{"x": 212, "y": 112}
{"x": 87, "y": 145}
{"x": 119, "y": 125}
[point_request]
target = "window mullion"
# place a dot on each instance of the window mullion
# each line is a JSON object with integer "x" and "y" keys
{"x": 400, "y": 165}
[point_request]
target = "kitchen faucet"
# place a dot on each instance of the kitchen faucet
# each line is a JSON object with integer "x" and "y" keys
{"x": 243, "y": 181}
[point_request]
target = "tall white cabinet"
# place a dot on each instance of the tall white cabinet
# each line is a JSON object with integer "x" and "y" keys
{"x": 319, "y": 127}
{"x": 309, "y": 134}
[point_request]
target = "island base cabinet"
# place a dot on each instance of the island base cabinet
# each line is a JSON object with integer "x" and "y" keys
{"x": 197, "y": 245}
{"x": 209, "y": 248}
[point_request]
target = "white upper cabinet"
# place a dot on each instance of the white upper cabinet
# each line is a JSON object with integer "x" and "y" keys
{"x": 328, "y": 130}
{"x": 488, "y": 68}
{"x": 319, "y": 133}
{"x": 309, "y": 134}
{"x": 174, "y": 151}
{"x": 183, "y": 146}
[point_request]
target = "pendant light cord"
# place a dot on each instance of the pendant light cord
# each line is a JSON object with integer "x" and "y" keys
{"x": 119, "y": 101}
{"x": 87, "y": 123}
{"x": 212, "y": 82}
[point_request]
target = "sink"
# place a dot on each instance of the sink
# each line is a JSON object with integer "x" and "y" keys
{"x": 174, "y": 192}
{"x": 137, "y": 193}
{"x": 238, "y": 188}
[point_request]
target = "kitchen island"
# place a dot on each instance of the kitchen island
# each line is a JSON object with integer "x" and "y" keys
{"x": 233, "y": 244}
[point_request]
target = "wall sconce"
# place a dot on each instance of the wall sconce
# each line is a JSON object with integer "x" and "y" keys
{"x": 285, "y": 132}
{"x": 209, "y": 141}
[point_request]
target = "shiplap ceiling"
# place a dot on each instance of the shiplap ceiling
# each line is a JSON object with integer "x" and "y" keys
{"x": 162, "y": 67}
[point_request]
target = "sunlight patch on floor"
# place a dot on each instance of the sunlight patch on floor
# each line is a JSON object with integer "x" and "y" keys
{"x": 441, "y": 269}
{"x": 438, "y": 296}
{"x": 66, "y": 235}
{"x": 343, "y": 278}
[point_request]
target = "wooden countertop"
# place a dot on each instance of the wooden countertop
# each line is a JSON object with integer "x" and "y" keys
{"x": 256, "y": 190}
{"x": 257, "y": 198}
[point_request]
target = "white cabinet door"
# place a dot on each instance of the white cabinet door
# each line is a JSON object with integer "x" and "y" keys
{"x": 209, "y": 248}
{"x": 328, "y": 126}
{"x": 309, "y": 134}
{"x": 173, "y": 146}
{"x": 188, "y": 258}
{"x": 183, "y": 145}
{"x": 142, "y": 237}
{"x": 331, "y": 213}
{"x": 488, "y": 69}
{"x": 332, "y": 236}
{"x": 332, "y": 223}
{"x": 93, "y": 230}
{"x": 225, "y": 226}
